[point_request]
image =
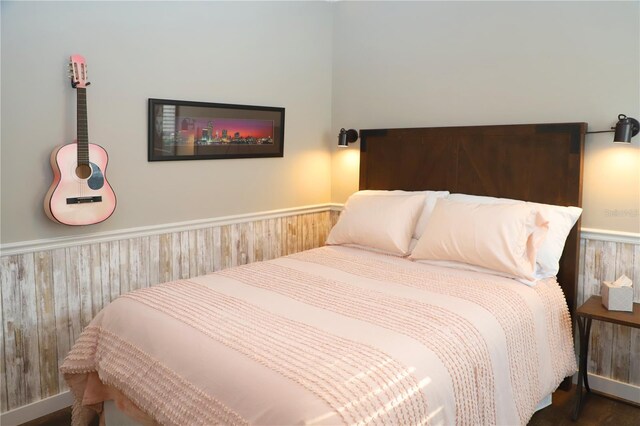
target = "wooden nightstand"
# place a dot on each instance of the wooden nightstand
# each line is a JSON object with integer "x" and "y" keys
{"x": 590, "y": 310}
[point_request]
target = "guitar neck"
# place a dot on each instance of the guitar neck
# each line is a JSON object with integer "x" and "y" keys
{"x": 82, "y": 126}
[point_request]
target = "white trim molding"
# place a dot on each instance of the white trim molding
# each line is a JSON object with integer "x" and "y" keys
{"x": 37, "y": 409}
{"x": 608, "y": 386}
{"x": 612, "y": 236}
{"x": 22, "y": 247}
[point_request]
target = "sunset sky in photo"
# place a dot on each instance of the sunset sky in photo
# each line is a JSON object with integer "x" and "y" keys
{"x": 255, "y": 128}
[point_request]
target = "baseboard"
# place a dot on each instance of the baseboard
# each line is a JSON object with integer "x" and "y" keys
{"x": 621, "y": 390}
{"x": 22, "y": 247}
{"x": 614, "y": 388}
{"x": 37, "y": 409}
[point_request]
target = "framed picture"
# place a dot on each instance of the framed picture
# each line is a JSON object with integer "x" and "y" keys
{"x": 183, "y": 130}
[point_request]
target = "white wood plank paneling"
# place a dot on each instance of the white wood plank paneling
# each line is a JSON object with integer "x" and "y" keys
{"x": 61, "y": 309}
{"x": 47, "y": 341}
{"x": 4, "y": 405}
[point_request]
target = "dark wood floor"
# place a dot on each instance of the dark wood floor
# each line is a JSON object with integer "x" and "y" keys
{"x": 598, "y": 411}
{"x": 59, "y": 418}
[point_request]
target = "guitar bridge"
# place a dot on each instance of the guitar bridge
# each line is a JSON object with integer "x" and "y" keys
{"x": 83, "y": 200}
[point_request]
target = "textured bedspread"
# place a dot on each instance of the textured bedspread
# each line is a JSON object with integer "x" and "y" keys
{"x": 329, "y": 336}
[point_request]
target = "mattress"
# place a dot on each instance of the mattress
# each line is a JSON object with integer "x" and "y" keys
{"x": 334, "y": 335}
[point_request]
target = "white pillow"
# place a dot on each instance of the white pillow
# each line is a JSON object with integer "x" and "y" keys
{"x": 501, "y": 237}
{"x": 380, "y": 221}
{"x": 429, "y": 204}
{"x": 561, "y": 221}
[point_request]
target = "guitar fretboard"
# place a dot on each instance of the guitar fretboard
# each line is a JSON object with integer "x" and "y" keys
{"x": 82, "y": 126}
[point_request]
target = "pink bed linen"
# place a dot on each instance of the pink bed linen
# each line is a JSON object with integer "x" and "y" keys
{"x": 333, "y": 335}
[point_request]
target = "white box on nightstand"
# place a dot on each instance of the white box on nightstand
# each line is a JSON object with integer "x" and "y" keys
{"x": 616, "y": 298}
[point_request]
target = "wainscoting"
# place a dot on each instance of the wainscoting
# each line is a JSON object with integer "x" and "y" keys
{"x": 52, "y": 289}
{"x": 614, "y": 350}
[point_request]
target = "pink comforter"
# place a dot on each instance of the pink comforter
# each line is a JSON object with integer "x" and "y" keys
{"x": 333, "y": 335}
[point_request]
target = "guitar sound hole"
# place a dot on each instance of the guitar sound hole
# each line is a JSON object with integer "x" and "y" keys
{"x": 83, "y": 171}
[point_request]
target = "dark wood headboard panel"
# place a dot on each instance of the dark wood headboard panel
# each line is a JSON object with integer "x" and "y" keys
{"x": 534, "y": 162}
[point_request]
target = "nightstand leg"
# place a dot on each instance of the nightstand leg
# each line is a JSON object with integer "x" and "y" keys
{"x": 583, "y": 331}
{"x": 587, "y": 334}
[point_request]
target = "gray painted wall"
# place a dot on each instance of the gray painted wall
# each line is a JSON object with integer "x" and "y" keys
{"x": 351, "y": 64}
{"x": 263, "y": 53}
{"x": 421, "y": 64}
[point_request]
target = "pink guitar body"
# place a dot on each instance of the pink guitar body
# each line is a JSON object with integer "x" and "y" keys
{"x": 72, "y": 199}
{"x": 80, "y": 193}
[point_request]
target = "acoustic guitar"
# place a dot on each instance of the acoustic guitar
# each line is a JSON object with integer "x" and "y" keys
{"x": 80, "y": 193}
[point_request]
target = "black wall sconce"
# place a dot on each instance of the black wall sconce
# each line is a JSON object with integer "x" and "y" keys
{"x": 345, "y": 137}
{"x": 626, "y": 128}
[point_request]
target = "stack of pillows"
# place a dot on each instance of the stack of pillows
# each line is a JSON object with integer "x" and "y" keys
{"x": 511, "y": 238}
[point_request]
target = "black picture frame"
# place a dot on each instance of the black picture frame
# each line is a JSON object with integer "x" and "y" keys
{"x": 187, "y": 130}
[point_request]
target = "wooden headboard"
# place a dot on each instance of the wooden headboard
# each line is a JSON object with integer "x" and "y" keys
{"x": 533, "y": 162}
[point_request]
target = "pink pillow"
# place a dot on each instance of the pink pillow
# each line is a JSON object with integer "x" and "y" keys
{"x": 378, "y": 221}
{"x": 561, "y": 221}
{"x": 501, "y": 237}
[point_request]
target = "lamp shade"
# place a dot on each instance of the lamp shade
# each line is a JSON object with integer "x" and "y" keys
{"x": 345, "y": 137}
{"x": 626, "y": 128}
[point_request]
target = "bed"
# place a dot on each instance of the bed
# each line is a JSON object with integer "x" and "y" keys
{"x": 341, "y": 334}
